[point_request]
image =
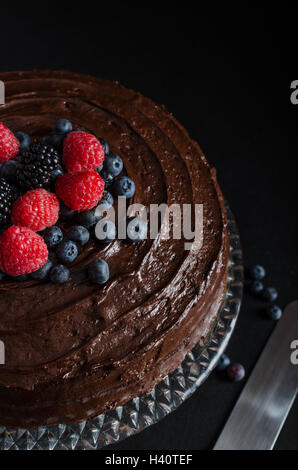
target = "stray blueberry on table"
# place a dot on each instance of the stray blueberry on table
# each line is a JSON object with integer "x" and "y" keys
{"x": 99, "y": 272}
{"x": 67, "y": 251}
{"x": 60, "y": 274}
{"x": 113, "y": 164}
{"x": 107, "y": 200}
{"x": 223, "y": 362}
{"x": 236, "y": 372}
{"x": 43, "y": 272}
{"x": 105, "y": 146}
{"x": 52, "y": 236}
{"x": 88, "y": 219}
{"x": 124, "y": 186}
{"x": 24, "y": 139}
{"x": 256, "y": 287}
{"x": 62, "y": 126}
{"x": 257, "y": 273}
{"x": 79, "y": 234}
{"x": 270, "y": 294}
{"x": 274, "y": 312}
{"x": 137, "y": 230}
{"x": 107, "y": 177}
{"x": 106, "y": 231}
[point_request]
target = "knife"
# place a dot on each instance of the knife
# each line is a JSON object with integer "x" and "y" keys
{"x": 269, "y": 394}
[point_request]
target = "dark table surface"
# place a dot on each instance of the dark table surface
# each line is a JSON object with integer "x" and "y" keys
{"x": 227, "y": 78}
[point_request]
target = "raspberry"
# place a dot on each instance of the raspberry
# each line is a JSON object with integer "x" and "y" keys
{"x": 9, "y": 144}
{"x": 37, "y": 210}
{"x": 80, "y": 191}
{"x": 22, "y": 251}
{"x": 82, "y": 151}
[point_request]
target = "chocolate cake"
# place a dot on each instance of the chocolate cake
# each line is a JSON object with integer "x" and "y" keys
{"x": 76, "y": 350}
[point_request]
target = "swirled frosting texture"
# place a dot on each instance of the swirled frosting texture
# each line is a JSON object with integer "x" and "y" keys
{"x": 76, "y": 350}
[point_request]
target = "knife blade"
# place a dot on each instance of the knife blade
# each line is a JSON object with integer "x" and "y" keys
{"x": 267, "y": 398}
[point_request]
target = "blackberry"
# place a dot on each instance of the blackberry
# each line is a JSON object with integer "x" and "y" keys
{"x": 38, "y": 165}
{"x": 8, "y": 194}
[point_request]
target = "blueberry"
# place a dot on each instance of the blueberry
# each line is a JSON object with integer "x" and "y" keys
{"x": 8, "y": 171}
{"x": 274, "y": 312}
{"x": 107, "y": 177}
{"x": 88, "y": 219}
{"x": 257, "y": 273}
{"x": 24, "y": 140}
{"x": 56, "y": 173}
{"x": 66, "y": 213}
{"x": 107, "y": 200}
{"x": 23, "y": 277}
{"x": 270, "y": 294}
{"x": 124, "y": 186}
{"x": 43, "y": 272}
{"x": 99, "y": 272}
{"x": 62, "y": 126}
{"x": 105, "y": 146}
{"x": 236, "y": 372}
{"x": 79, "y": 234}
{"x": 137, "y": 230}
{"x": 223, "y": 362}
{"x": 99, "y": 170}
{"x": 106, "y": 231}
{"x": 67, "y": 251}
{"x": 113, "y": 164}
{"x": 2, "y": 275}
{"x": 256, "y": 287}
{"x": 54, "y": 139}
{"x": 59, "y": 274}
{"x": 52, "y": 236}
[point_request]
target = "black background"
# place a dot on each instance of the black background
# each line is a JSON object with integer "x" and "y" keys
{"x": 226, "y": 76}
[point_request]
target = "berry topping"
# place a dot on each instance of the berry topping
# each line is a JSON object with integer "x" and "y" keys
{"x": 124, "y": 186}
{"x": 106, "y": 231}
{"x": 37, "y": 210}
{"x": 67, "y": 251}
{"x": 107, "y": 177}
{"x": 256, "y": 287}
{"x": 22, "y": 251}
{"x": 270, "y": 294}
{"x": 8, "y": 195}
{"x": 62, "y": 126}
{"x": 223, "y": 362}
{"x": 88, "y": 219}
{"x": 43, "y": 272}
{"x": 9, "y": 171}
{"x": 82, "y": 151}
{"x": 80, "y": 191}
{"x": 54, "y": 140}
{"x": 105, "y": 145}
{"x": 236, "y": 372}
{"x": 79, "y": 234}
{"x": 60, "y": 274}
{"x": 24, "y": 139}
{"x": 99, "y": 272}
{"x": 52, "y": 236}
{"x": 37, "y": 166}
{"x": 9, "y": 144}
{"x": 107, "y": 200}
{"x": 257, "y": 273}
{"x": 137, "y": 230}
{"x": 113, "y": 164}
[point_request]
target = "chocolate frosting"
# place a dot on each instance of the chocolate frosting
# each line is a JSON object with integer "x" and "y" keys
{"x": 76, "y": 350}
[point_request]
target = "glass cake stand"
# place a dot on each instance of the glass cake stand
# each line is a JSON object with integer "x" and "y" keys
{"x": 167, "y": 396}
